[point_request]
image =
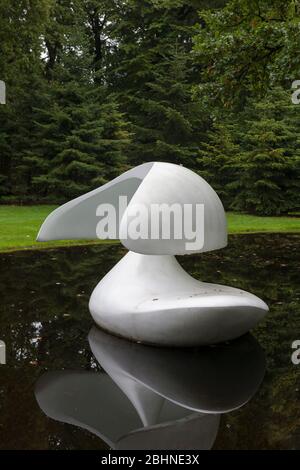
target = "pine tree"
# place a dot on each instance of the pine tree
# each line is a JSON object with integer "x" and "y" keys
{"x": 21, "y": 27}
{"x": 81, "y": 136}
{"x": 154, "y": 75}
{"x": 96, "y": 85}
{"x": 217, "y": 159}
{"x": 268, "y": 166}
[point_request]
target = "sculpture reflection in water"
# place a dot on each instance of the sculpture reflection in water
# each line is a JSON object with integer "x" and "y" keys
{"x": 154, "y": 398}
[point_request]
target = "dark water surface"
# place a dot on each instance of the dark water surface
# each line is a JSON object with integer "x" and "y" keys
{"x": 45, "y": 323}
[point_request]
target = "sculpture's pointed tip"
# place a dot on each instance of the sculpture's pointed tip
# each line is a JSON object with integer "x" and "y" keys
{"x": 41, "y": 235}
{"x": 262, "y": 304}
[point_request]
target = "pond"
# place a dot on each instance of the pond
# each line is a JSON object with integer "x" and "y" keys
{"x": 241, "y": 395}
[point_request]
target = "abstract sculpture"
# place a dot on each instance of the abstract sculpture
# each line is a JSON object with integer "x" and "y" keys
{"x": 148, "y": 297}
{"x": 154, "y": 398}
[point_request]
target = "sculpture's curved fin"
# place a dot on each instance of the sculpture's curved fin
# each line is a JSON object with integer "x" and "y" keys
{"x": 77, "y": 219}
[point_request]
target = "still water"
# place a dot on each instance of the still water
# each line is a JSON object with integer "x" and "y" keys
{"x": 68, "y": 385}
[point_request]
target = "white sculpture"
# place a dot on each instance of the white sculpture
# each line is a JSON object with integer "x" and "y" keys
{"x": 154, "y": 398}
{"x": 147, "y": 296}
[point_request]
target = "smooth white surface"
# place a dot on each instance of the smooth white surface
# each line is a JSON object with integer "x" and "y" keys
{"x": 77, "y": 218}
{"x": 153, "y": 300}
{"x": 147, "y": 184}
{"x": 170, "y": 184}
{"x": 173, "y": 184}
{"x": 147, "y": 296}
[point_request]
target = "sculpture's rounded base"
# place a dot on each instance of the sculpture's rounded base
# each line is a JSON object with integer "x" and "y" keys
{"x": 151, "y": 299}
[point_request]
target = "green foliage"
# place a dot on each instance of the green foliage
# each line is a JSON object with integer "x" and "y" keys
{"x": 247, "y": 45}
{"x": 80, "y": 141}
{"x": 97, "y": 86}
{"x": 252, "y": 157}
{"x": 269, "y": 161}
{"x": 217, "y": 156}
{"x": 21, "y": 26}
{"x": 155, "y": 76}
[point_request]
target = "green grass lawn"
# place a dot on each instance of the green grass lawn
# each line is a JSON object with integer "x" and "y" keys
{"x": 19, "y": 226}
{"x": 244, "y": 223}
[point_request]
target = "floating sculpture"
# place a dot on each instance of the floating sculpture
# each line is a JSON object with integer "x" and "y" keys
{"x": 154, "y": 398}
{"x": 147, "y": 296}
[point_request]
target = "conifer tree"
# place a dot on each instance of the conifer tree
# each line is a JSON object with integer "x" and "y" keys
{"x": 268, "y": 166}
{"x": 21, "y": 27}
{"x": 94, "y": 86}
{"x": 217, "y": 159}
{"x": 154, "y": 78}
{"x": 80, "y": 143}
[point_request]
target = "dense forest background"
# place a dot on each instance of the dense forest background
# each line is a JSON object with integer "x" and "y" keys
{"x": 97, "y": 86}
